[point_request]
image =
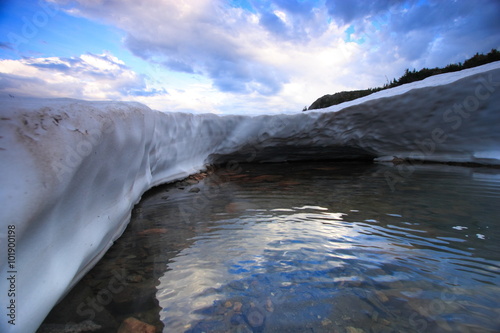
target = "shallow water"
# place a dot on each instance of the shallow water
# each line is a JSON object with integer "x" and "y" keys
{"x": 304, "y": 247}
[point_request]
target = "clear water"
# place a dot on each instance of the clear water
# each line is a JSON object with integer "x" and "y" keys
{"x": 304, "y": 247}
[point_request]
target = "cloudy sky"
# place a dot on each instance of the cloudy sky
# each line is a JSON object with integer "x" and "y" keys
{"x": 230, "y": 56}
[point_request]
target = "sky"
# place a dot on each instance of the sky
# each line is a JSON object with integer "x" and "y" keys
{"x": 231, "y": 56}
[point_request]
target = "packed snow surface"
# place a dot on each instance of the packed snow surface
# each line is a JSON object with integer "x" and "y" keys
{"x": 71, "y": 170}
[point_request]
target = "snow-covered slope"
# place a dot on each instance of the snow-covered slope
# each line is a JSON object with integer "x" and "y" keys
{"x": 71, "y": 171}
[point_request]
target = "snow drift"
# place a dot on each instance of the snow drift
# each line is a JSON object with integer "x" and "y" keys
{"x": 71, "y": 170}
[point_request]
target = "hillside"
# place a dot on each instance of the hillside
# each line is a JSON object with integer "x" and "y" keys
{"x": 408, "y": 77}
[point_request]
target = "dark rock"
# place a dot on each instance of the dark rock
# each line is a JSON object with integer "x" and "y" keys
{"x": 237, "y": 285}
{"x": 237, "y": 319}
{"x": 85, "y": 326}
{"x": 134, "y": 278}
{"x": 255, "y": 318}
{"x": 78, "y": 307}
{"x": 133, "y": 325}
{"x": 133, "y": 298}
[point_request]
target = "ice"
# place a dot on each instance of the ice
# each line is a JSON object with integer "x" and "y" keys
{"x": 72, "y": 170}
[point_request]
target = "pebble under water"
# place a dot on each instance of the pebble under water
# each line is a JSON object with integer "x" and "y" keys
{"x": 302, "y": 247}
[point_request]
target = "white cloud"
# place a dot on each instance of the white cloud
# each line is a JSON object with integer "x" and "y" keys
{"x": 105, "y": 77}
{"x": 241, "y": 56}
{"x": 89, "y": 76}
{"x": 280, "y": 56}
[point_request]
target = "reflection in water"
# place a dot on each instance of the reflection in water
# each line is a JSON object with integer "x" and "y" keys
{"x": 309, "y": 247}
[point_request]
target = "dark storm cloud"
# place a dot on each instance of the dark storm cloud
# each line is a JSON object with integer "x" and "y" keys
{"x": 346, "y": 12}
{"x": 305, "y": 20}
{"x": 432, "y": 33}
{"x": 245, "y": 77}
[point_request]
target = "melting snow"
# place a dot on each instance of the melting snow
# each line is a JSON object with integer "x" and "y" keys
{"x": 71, "y": 170}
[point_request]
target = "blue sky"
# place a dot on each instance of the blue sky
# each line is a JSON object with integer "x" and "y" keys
{"x": 230, "y": 56}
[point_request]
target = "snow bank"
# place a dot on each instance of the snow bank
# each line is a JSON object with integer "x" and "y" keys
{"x": 71, "y": 170}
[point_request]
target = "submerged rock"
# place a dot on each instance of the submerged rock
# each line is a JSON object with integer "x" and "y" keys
{"x": 133, "y": 325}
{"x": 83, "y": 327}
{"x": 152, "y": 231}
{"x": 255, "y": 318}
{"x": 351, "y": 329}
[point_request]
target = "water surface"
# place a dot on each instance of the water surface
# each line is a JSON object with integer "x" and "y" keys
{"x": 305, "y": 247}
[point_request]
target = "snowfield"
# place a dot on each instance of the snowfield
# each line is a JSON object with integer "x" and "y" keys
{"x": 71, "y": 171}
